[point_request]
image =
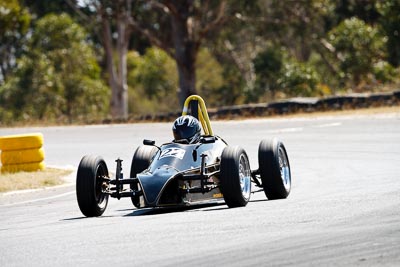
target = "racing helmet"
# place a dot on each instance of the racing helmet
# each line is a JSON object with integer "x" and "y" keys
{"x": 186, "y": 128}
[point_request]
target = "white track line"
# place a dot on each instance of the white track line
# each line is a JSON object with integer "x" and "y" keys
{"x": 334, "y": 124}
{"x": 38, "y": 199}
{"x": 287, "y": 130}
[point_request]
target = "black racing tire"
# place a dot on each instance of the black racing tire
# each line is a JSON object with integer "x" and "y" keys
{"x": 92, "y": 200}
{"x": 141, "y": 161}
{"x": 235, "y": 177}
{"x": 274, "y": 169}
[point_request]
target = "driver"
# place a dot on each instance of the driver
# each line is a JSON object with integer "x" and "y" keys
{"x": 186, "y": 129}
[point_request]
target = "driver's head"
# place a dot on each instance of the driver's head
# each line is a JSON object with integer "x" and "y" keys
{"x": 186, "y": 128}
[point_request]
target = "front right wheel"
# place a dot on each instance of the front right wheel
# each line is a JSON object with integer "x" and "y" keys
{"x": 274, "y": 169}
{"x": 235, "y": 177}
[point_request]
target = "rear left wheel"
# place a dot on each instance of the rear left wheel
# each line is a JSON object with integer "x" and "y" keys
{"x": 235, "y": 177}
{"x": 91, "y": 183}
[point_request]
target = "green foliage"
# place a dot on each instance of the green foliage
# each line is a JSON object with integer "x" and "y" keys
{"x": 14, "y": 24}
{"x": 14, "y": 19}
{"x": 209, "y": 78}
{"x": 362, "y": 9}
{"x": 153, "y": 81}
{"x": 268, "y": 66}
{"x": 384, "y": 72}
{"x": 297, "y": 25}
{"x": 277, "y": 72}
{"x": 41, "y": 8}
{"x": 358, "y": 46}
{"x": 152, "y": 73}
{"x": 49, "y": 69}
{"x": 300, "y": 79}
{"x": 390, "y": 25}
{"x": 231, "y": 92}
{"x": 58, "y": 78}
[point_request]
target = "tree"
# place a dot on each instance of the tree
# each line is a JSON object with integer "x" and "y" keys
{"x": 255, "y": 36}
{"x": 119, "y": 11}
{"x": 235, "y": 48}
{"x": 296, "y": 25}
{"x": 390, "y": 24}
{"x": 278, "y": 72}
{"x": 14, "y": 24}
{"x": 58, "y": 77}
{"x": 109, "y": 20}
{"x": 363, "y": 9}
{"x": 177, "y": 27}
{"x": 359, "y": 46}
{"x": 153, "y": 79}
{"x": 268, "y": 67}
{"x": 45, "y": 7}
{"x": 191, "y": 22}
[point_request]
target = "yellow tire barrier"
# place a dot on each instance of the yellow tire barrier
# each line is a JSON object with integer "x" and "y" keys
{"x": 27, "y": 167}
{"x": 22, "y": 156}
{"x": 22, "y": 152}
{"x": 23, "y": 141}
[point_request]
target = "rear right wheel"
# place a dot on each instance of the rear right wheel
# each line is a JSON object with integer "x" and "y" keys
{"x": 274, "y": 169}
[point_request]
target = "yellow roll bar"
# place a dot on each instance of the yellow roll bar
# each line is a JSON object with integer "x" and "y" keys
{"x": 203, "y": 114}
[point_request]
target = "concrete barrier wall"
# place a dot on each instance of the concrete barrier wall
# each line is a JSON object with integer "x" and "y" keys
{"x": 291, "y": 106}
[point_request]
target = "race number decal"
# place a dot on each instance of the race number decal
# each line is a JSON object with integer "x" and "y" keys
{"x": 173, "y": 152}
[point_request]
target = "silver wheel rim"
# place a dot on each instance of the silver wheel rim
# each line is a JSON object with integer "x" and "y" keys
{"x": 284, "y": 169}
{"x": 244, "y": 176}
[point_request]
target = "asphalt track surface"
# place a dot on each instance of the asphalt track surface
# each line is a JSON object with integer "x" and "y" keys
{"x": 344, "y": 208}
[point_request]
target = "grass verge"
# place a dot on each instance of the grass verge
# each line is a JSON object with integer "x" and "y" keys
{"x": 32, "y": 180}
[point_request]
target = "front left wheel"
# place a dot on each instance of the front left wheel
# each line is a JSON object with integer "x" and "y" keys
{"x": 91, "y": 182}
{"x": 141, "y": 161}
{"x": 235, "y": 177}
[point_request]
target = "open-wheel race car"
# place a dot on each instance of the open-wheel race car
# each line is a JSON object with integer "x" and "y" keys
{"x": 196, "y": 167}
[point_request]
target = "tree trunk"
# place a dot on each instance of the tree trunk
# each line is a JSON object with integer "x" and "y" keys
{"x": 122, "y": 48}
{"x": 185, "y": 55}
{"x": 187, "y": 80}
{"x": 117, "y": 79}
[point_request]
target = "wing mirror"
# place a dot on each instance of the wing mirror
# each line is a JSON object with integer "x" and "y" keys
{"x": 147, "y": 142}
{"x": 208, "y": 139}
